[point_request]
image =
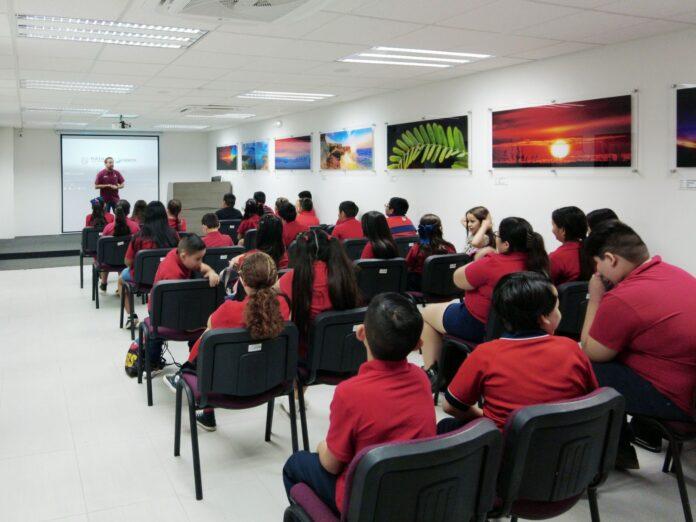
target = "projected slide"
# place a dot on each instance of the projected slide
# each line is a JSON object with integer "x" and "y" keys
{"x": 136, "y": 157}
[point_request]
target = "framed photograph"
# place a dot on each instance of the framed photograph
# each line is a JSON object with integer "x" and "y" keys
{"x": 227, "y": 157}
{"x": 686, "y": 127}
{"x": 293, "y": 153}
{"x": 348, "y": 149}
{"x": 429, "y": 144}
{"x": 255, "y": 155}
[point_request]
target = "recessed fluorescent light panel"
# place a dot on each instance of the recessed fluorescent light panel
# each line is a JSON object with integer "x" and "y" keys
{"x": 64, "y": 109}
{"x": 54, "y": 85}
{"x": 230, "y": 116}
{"x": 285, "y": 96}
{"x": 114, "y": 115}
{"x": 413, "y": 57}
{"x": 106, "y": 32}
{"x": 60, "y": 123}
{"x": 176, "y": 126}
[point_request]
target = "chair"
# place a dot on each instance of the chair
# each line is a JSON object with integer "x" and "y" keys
{"x": 676, "y": 433}
{"x": 219, "y": 258}
{"x": 236, "y": 372}
{"x": 572, "y": 301}
{"x": 404, "y": 244}
{"x": 111, "y": 254}
{"x": 250, "y": 239}
{"x": 334, "y": 354}
{"x": 354, "y": 247}
{"x": 88, "y": 248}
{"x": 446, "y": 478}
{"x": 376, "y": 276}
{"x": 437, "y": 283}
{"x": 144, "y": 267}
{"x": 555, "y": 452}
{"x": 183, "y": 234}
{"x": 229, "y": 227}
{"x": 179, "y": 312}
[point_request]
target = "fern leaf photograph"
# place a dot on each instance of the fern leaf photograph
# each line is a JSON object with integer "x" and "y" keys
{"x": 429, "y": 144}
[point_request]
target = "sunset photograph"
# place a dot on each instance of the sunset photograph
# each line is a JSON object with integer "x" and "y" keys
{"x": 588, "y": 133}
{"x": 227, "y": 157}
{"x": 293, "y": 153}
{"x": 686, "y": 127}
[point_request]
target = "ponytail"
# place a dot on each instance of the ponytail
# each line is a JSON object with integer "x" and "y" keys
{"x": 121, "y": 227}
{"x": 98, "y": 220}
{"x": 343, "y": 285}
{"x": 537, "y": 258}
{"x": 174, "y": 208}
{"x": 430, "y": 235}
{"x": 519, "y": 235}
{"x": 262, "y": 314}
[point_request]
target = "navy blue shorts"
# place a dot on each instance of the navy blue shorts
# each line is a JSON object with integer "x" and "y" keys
{"x": 459, "y": 322}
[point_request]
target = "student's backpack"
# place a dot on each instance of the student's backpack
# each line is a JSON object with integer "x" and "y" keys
{"x": 132, "y": 360}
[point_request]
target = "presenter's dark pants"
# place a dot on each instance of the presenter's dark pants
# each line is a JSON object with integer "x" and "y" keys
{"x": 110, "y": 205}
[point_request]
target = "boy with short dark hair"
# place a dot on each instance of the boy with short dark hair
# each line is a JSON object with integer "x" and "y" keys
{"x": 347, "y": 227}
{"x": 211, "y": 232}
{"x": 306, "y": 215}
{"x": 228, "y": 211}
{"x": 260, "y": 198}
{"x": 398, "y": 223}
{"x": 388, "y": 401}
{"x": 291, "y": 228}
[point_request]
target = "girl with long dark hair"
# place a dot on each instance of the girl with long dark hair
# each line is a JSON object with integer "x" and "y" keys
{"x": 430, "y": 243}
{"x": 380, "y": 242}
{"x": 569, "y": 262}
{"x": 250, "y": 219}
{"x": 173, "y": 212}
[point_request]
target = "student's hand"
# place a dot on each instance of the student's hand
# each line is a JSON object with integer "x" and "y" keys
{"x": 234, "y": 262}
{"x": 487, "y": 223}
{"x": 596, "y": 288}
{"x": 213, "y": 279}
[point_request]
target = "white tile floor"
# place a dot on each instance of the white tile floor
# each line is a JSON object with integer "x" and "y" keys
{"x": 78, "y": 442}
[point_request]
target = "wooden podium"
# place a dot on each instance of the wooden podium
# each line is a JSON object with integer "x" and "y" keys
{"x": 198, "y": 198}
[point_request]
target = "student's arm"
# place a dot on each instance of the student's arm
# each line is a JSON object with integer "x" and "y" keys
{"x": 483, "y": 252}
{"x": 479, "y": 239}
{"x": 471, "y": 276}
{"x": 466, "y": 387}
{"x": 210, "y": 274}
{"x": 328, "y": 461}
{"x": 596, "y": 350}
{"x": 471, "y": 413}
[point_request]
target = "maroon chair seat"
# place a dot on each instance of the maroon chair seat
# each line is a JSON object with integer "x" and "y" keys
{"x": 304, "y": 496}
{"x": 170, "y": 334}
{"x": 219, "y": 400}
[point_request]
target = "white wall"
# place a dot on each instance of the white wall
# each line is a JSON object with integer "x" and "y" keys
{"x": 37, "y": 185}
{"x": 648, "y": 200}
{"x": 6, "y": 184}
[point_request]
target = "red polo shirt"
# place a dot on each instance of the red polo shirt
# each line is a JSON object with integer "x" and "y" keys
{"x": 565, "y": 263}
{"x": 181, "y": 227}
{"x": 513, "y": 372}
{"x": 106, "y": 177}
{"x": 649, "y": 319}
{"x": 250, "y": 223}
{"x": 170, "y": 269}
{"x": 291, "y": 230}
{"x": 400, "y": 226}
{"x": 415, "y": 259}
{"x": 308, "y": 219}
{"x": 388, "y": 401}
{"x": 133, "y": 226}
{"x": 139, "y": 242}
{"x": 483, "y": 275}
{"x": 107, "y": 215}
{"x": 217, "y": 239}
{"x": 349, "y": 228}
{"x": 230, "y": 314}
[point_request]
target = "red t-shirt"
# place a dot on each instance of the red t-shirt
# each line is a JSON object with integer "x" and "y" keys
{"x": 230, "y": 314}
{"x": 513, "y": 372}
{"x": 369, "y": 253}
{"x": 565, "y": 263}
{"x": 181, "y": 226}
{"x": 415, "y": 259}
{"x": 171, "y": 269}
{"x": 139, "y": 242}
{"x": 107, "y": 216}
{"x": 400, "y": 226}
{"x": 308, "y": 219}
{"x": 217, "y": 239}
{"x": 281, "y": 264}
{"x": 388, "y": 401}
{"x": 291, "y": 230}
{"x": 248, "y": 224}
{"x": 132, "y": 225}
{"x": 484, "y": 274}
{"x": 105, "y": 177}
{"x": 349, "y": 228}
{"x": 649, "y": 319}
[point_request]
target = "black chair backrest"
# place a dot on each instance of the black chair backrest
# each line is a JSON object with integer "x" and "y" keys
{"x": 145, "y": 265}
{"x": 441, "y": 479}
{"x": 250, "y": 239}
{"x": 218, "y": 258}
{"x": 376, "y": 276}
{"x": 333, "y": 346}
{"x": 184, "y": 305}
{"x": 554, "y": 451}
{"x": 90, "y": 237}
{"x": 354, "y": 247}
{"x": 573, "y": 300}
{"x": 112, "y": 250}
{"x": 230, "y": 362}
{"x": 438, "y": 275}
{"x": 184, "y": 234}
{"x": 229, "y": 227}
{"x": 404, "y": 244}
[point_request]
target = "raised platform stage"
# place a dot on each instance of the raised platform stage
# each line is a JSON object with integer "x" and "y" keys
{"x": 33, "y": 247}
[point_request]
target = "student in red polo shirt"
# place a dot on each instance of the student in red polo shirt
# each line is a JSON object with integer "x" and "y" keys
{"x": 380, "y": 242}
{"x": 122, "y": 224}
{"x": 568, "y": 262}
{"x": 347, "y": 227}
{"x": 528, "y": 365}
{"x": 519, "y": 249}
{"x": 211, "y": 232}
{"x": 388, "y": 401}
{"x": 640, "y": 334}
{"x": 398, "y": 223}
{"x": 98, "y": 218}
{"x": 138, "y": 214}
{"x": 173, "y": 212}
{"x": 305, "y": 194}
{"x": 260, "y": 198}
{"x": 291, "y": 227}
{"x": 250, "y": 219}
{"x": 269, "y": 240}
{"x": 430, "y": 243}
{"x": 306, "y": 215}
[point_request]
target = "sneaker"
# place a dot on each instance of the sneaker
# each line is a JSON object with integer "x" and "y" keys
{"x": 102, "y": 287}
{"x": 171, "y": 381}
{"x": 136, "y": 323}
{"x": 626, "y": 457}
{"x": 433, "y": 377}
{"x": 156, "y": 368}
{"x": 646, "y": 436}
{"x": 206, "y": 420}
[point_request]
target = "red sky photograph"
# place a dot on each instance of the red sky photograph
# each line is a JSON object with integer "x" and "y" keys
{"x": 588, "y": 133}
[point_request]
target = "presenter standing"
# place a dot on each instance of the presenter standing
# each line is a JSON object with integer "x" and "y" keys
{"x": 108, "y": 182}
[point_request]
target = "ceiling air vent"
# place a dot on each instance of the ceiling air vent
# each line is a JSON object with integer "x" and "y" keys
{"x": 241, "y": 10}
{"x": 213, "y": 111}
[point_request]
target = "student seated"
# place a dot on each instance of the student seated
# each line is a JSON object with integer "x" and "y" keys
{"x": 306, "y": 215}
{"x": 291, "y": 227}
{"x": 260, "y": 198}
{"x": 519, "y": 249}
{"x": 568, "y": 262}
{"x": 479, "y": 232}
{"x": 399, "y": 224}
{"x": 250, "y": 220}
{"x": 122, "y": 225}
{"x": 154, "y": 233}
{"x": 305, "y": 194}
{"x": 211, "y": 232}
{"x": 430, "y": 243}
{"x": 263, "y": 312}
{"x": 98, "y": 218}
{"x": 347, "y": 227}
{"x": 173, "y": 211}
{"x": 269, "y": 240}
{"x": 388, "y": 401}
{"x": 639, "y": 330}
{"x": 228, "y": 211}
{"x": 279, "y": 202}
{"x": 380, "y": 243}
{"x": 599, "y": 216}
{"x": 528, "y": 365}
{"x": 139, "y": 211}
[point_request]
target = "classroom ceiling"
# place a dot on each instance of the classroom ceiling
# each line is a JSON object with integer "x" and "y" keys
{"x": 233, "y": 58}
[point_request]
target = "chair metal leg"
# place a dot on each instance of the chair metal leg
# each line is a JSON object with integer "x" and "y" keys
{"x": 594, "y": 508}
{"x": 668, "y": 459}
{"x": 194, "y": 442}
{"x": 82, "y": 268}
{"x": 123, "y": 306}
{"x": 141, "y": 354}
{"x": 131, "y": 301}
{"x": 97, "y": 273}
{"x": 436, "y": 397}
{"x": 513, "y": 518}
{"x": 177, "y": 418}
{"x": 676, "y": 459}
{"x": 303, "y": 417}
{"x": 148, "y": 374}
{"x": 269, "y": 419}
{"x": 93, "y": 286}
{"x": 293, "y": 420}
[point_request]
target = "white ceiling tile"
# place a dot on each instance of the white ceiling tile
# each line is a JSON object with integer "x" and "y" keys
{"x": 117, "y": 69}
{"x": 4, "y": 27}
{"x": 205, "y": 73}
{"x": 280, "y": 65}
{"x": 55, "y": 63}
{"x": 586, "y": 4}
{"x": 583, "y": 27}
{"x": 493, "y": 63}
{"x": 310, "y": 50}
{"x": 644, "y": 30}
{"x": 344, "y": 6}
{"x": 37, "y": 47}
{"x": 3, "y": 6}
{"x": 6, "y": 46}
{"x": 8, "y": 84}
{"x": 372, "y": 30}
{"x": 193, "y": 58}
{"x": 7, "y": 62}
{"x": 106, "y": 10}
{"x": 417, "y": 10}
{"x": 8, "y": 74}
{"x": 141, "y": 12}
{"x": 377, "y": 71}
{"x": 649, "y": 8}
{"x": 689, "y": 17}
{"x": 281, "y": 29}
{"x": 132, "y": 54}
{"x": 554, "y": 50}
{"x": 183, "y": 83}
{"x": 44, "y": 74}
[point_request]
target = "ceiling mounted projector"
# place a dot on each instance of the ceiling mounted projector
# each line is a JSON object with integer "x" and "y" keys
{"x": 241, "y": 10}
